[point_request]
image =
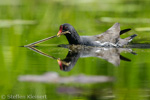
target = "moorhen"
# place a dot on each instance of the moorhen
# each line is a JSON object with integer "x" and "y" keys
{"x": 109, "y": 38}
{"x": 112, "y": 55}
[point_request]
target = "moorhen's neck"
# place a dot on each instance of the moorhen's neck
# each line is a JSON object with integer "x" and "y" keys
{"x": 73, "y": 37}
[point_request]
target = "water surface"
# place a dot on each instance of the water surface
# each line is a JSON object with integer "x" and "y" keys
{"x": 26, "y": 74}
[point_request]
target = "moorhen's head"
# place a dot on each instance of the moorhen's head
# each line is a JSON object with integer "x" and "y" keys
{"x": 65, "y": 29}
{"x": 69, "y": 61}
{"x": 64, "y": 66}
{"x": 70, "y": 33}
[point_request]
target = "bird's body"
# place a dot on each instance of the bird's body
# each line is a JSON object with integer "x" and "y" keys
{"x": 111, "y": 37}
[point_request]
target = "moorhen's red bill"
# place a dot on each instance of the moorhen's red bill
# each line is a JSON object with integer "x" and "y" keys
{"x": 109, "y": 38}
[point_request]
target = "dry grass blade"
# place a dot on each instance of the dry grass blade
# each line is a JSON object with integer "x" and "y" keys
{"x": 40, "y": 41}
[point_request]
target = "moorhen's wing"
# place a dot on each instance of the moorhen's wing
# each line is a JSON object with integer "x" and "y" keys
{"x": 111, "y": 35}
{"x": 111, "y": 55}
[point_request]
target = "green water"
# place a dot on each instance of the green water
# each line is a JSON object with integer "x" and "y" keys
{"x": 26, "y": 21}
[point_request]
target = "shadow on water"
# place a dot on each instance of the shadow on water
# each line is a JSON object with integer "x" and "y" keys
{"x": 75, "y": 52}
{"x": 110, "y": 54}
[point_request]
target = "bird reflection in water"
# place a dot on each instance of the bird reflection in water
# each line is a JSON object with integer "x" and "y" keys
{"x": 110, "y": 54}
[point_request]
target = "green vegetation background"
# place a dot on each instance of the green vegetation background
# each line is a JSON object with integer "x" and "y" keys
{"x": 25, "y": 21}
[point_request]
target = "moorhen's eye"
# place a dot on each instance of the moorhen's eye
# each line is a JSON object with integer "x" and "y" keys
{"x": 65, "y": 27}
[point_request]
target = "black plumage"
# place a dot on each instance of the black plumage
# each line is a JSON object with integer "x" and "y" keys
{"x": 111, "y": 37}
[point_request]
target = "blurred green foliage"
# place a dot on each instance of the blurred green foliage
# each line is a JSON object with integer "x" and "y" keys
{"x": 25, "y": 21}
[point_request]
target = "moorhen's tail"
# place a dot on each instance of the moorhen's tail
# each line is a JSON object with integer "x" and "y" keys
{"x": 124, "y": 58}
{"x": 130, "y": 37}
{"x": 125, "y": 41}
{"x": 124, "y": 31}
